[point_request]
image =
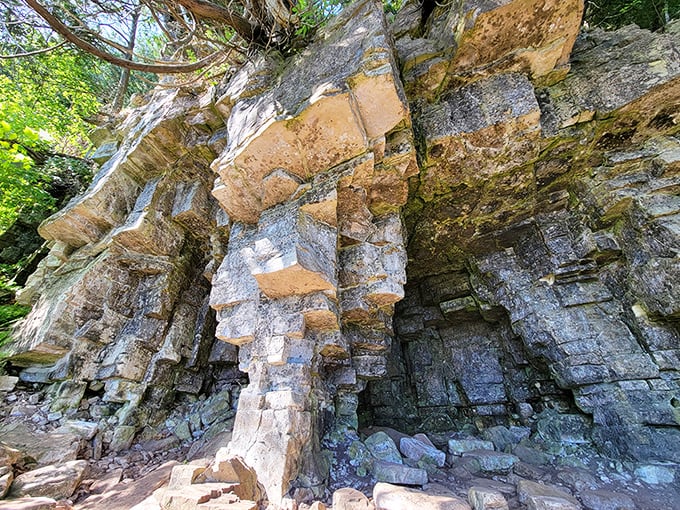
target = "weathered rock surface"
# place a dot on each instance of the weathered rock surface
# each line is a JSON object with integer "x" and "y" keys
{"x": 392, "y": 497}
{"x": 350, "y": 499}
{"x": 481, "y": 498}
{"x": 267, "y": 225}
{"x": 38, "y": 503}
{"x": 315, "y": 260}
{"x": 474, "y": 39}
{"x": 530, "y": 268}
{"x": 55, "y": 481}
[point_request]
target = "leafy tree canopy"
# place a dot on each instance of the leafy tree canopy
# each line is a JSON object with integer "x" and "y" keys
{"x": 44, "y": 101}
{"x": 649, "y": 14}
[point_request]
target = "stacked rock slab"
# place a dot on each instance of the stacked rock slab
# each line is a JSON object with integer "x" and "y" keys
{"x": 120, "y": 305}
{"x": 313, "y": 177}
{"x": 542, "y": 240}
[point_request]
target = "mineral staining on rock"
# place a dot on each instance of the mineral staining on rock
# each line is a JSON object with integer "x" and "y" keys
{"x": 265, "y": 225}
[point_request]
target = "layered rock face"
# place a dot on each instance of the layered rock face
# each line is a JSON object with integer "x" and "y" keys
{"x": 543, "y": 249}
{"x": 120, "y": 305}
{"x": 270, "y": 223}
{"x": 313, "y": 176}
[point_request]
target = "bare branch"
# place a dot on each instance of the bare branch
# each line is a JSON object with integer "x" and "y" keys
{"x": 67, "y": 34}
{"x": 31, "y": 53}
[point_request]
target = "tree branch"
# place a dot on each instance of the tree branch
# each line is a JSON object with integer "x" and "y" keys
{"x": 67, "y": 34}
{"x": 209, "y": 10}
{"x": 31, "y": 53}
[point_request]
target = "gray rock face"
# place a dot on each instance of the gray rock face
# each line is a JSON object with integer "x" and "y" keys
{"x": 538, "y": 272}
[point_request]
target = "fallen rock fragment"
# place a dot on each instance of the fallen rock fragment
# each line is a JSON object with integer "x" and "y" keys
{"x": 460, "y": 446}
{"x": 417, "y": 450}
{"x": 8, "y": 382}
{"x": 492, "y": 462}
{"x": 483, "y": 498}
{"x": 350, "y": 499}
{"x": 537, "y": 496}
{"x": 6, "y": 479}
{"x": 400, "y": 474}
{"x": 382, "y": 447}
{"x": 392, "y": 497}
{"x": 30, "y": 504}
{"x": 57, "y": 481}
{"x": 606, "y": 500}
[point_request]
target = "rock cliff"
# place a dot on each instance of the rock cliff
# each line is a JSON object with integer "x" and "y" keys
{"x": 468, "y": 217}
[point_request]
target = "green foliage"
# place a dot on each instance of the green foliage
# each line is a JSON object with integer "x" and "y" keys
{"x": 21, "y": 186}
{"x": 392, "y": 7}
{"x": 44, "y": 101}
{"x": 9, "y": 312}
{"x": 650, "y": 14}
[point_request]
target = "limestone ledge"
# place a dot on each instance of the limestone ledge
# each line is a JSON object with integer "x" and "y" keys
{"x": 337, "y": 100}
{"x": 475, "y": 40}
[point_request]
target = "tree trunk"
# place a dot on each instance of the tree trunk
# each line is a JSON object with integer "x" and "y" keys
{"x": 125, "y": 72}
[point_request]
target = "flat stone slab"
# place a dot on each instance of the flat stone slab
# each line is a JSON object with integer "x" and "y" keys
{"x": 460, "y": 446}
{"x": 398, "y": 473}
{"x": 57, "y": 481}
{"x": 492, "y": 462}
{"x": 606, "y": 500}
{"x": 392, "y": 497}
{"x": 29, "y": 504}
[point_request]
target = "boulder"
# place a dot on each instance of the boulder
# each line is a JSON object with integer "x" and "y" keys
{"x": 392, "y": 497}
{"x": 482, "y": 498}
{"x": 382, "y": 447}
{"x": 45, "y": 449}
{"x": 398, "y": 473}
{"x": 8, "y": 382}
{"x": 56, "y": 481}
{"x": 655, "y": 474}
{"x": 460, "y": 446}
{"x": 492, "y": 462}
{"x": 417, "y": 450}
{"x": 537, "y": 496}
{"x": 351, "y": 499}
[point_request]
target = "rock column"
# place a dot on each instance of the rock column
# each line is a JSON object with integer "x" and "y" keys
{"x": 313, "y": 178}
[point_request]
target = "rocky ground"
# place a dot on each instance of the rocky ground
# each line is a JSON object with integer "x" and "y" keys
{"x": 52, "y": 461}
